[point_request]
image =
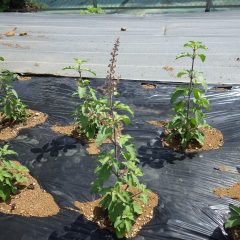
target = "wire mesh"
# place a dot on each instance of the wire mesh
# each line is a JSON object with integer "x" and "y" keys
{"x": 139, "y": 3}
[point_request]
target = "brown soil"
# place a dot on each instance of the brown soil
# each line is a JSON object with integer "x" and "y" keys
{"x": 9, "y": 131}
{"x": 12, "y": 45}
{"x": 213, "y": 140}
{"x": 31, "y": 201}
{"x": 157, "y": 123}
{"x": 24, "y": 78}
{"x": 94, "y": 212}
{"x": 233, "y": 233}
{"x": 72, "y": 130}
{"x": 148, "y": 85}
{"x": 168, "y": 68}
{"x": 232, "y": 192}
{"x": 222, "y": 87}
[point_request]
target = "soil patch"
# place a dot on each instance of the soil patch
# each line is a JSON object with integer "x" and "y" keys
{"x": 72, "y": 131}
{"x": 95, "y": 213}
{"x": 213, "y": 140}
{"x": 157, "y": 123}
{"x": 12, "y": 45}
{"x": 9, "y": 131}
{"x": 148, "y": 85}
{"x": 168, "y": 68}
{"x": 31, "y": 201}
{"x": 233, "y": 233}
{"x": 24, "y": 78}
{"x": 232, "y": 192}
{"x": 223, "y": 87}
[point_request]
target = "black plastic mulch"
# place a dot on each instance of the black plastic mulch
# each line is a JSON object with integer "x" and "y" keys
{"x": 188, "y": 210}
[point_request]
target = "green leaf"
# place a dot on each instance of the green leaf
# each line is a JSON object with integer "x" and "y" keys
{"x": 144, "y": 198}
{"x": 202, "y": 57}
{"x": 103, "y": 133}
{"x": 182, "y": 73}
{"x": 128, "y": 224}
{"x": 234, "y": 210}
{"x": 124, "y": 107}
{"x": 1, "y": 59}
{"x": 137, "y": 208}
{"x": 232, "y": 222}
{"x": 82, "y": 92}
{"x": 123, "y": 139}
{"x": 183, "y": 55}
{"x": 178, "y": 93}
{"x": 90, "y": 71}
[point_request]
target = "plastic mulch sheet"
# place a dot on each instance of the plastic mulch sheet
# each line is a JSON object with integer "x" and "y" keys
{"x": 187, "y": 210}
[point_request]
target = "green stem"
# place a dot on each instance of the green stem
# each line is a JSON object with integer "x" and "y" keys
{"x": 190, "y": 91}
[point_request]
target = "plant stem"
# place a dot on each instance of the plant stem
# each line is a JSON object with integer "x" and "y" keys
{"x": 190, "y": 90}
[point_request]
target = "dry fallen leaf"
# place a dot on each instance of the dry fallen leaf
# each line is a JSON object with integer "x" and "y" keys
{"x": 11, "y": 33}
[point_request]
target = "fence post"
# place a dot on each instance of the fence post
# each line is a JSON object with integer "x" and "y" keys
{"x": 209, "y": 5}
{"x": 95, "y": 3}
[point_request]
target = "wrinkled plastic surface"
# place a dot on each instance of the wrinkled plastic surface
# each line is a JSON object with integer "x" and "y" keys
{"x": 184, "y": 183}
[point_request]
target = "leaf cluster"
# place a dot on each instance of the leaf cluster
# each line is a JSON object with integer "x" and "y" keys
{"x": 11, "y": 107}
{"x": 11, "y": 174}
{"x": 189, "y": 100}
{"x": 234, "y": 219}
{"x": 122, "y": 204}
{"x": 92, "y": 10}
{"x": 92, "y": 113}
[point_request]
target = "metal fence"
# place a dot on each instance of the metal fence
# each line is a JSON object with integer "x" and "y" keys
{"x": 58, "y": 4}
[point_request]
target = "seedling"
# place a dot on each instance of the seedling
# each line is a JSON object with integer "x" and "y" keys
{"x": 11, "y": 107}
{"x": 189, "y": 100}
{"x": 89, "y": 114}
{"x": 123, "y": 199}
{"x": 92, "y": 114}
{"x": 11, "y": 174}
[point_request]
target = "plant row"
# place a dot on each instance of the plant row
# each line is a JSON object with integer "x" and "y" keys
{"x": 100, "y": 117}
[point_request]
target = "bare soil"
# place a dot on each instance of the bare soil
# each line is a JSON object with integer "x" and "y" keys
{"x": 72, "y": 131}
{"x": 233, "y": 233}
{"x": 157, "y": 123}
{"x": 213, "y": 140}
{"x": 31, "y": 201}
{"x": 168, "y": 68}
{"x": 9, "y": 131}
{"x": 24, "y": 78}
{"x": 148, "y": 85}
{"x": 94, "y": 212}
{"x": 232, "y": 192}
